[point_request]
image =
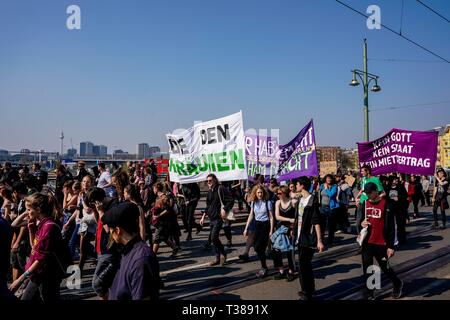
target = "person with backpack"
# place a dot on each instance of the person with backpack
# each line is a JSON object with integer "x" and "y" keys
{"x": 261, "y": 211}
{"x": 49, "y": 256}
{"x": 380, "y": 239}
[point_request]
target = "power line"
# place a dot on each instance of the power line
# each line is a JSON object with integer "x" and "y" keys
{"x": 406, "y": 60}
{"x": 434, "y": 11}
{"x": 393, "y": 31}
{"x": 401, "y": 18}
{"x": 411, "y": 106}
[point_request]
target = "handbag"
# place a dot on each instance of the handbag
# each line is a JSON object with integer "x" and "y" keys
{"x": 229, "y": 215}
{"x": 444, "y": 204}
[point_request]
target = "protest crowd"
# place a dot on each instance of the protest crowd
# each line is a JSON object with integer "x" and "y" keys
{"x": 120, "y": 216}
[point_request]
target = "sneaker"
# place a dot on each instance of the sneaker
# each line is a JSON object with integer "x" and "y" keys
{"x": 214, "y": 263}
{"x": 244, "y": 257}
{"x": 397, "y": 291}
{"x": 279, "y": 276}
{"x": 290, "y": 277}
{"x": 223, "y": 260}
{"x": 262, "y": 273}
{"x": 175, "y": 252}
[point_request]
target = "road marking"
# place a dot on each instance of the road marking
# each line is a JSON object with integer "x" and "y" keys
{"x": 195, "y": 266}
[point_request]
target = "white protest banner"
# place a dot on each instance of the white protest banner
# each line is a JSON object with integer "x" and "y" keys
{"x": 216, "y": 146}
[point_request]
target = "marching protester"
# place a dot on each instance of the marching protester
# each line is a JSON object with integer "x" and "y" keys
{"x": 440, "y": 194}
{"x": 329, "y": 207}
{"x": 345, "y": 193}
{"x": 191, "y": 193}
{"x": 425, "y": 191}
{"x": 380, "y": 239}
{"x": 218, "y": 203}
{"x": 397, "y": 199}
{"x": 81, "y": 171}
{"x": 108, "y": 256}
{"x": 307, "y": 235}
{"x": 138, "y": 275}
{"x": 282, "y": 237}
{"x": 366, "y": 172}
{"x": 415, "y": 192}
{"x": 261, "y": 211}
{"x": 45, "y": 268}
{"x": 104, "y": 180}
{"x": 132, "y": 194}
{"x": 163, "y": 217}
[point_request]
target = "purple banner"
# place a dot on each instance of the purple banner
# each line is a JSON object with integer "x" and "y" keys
{"x": 298, "y": 157}
{"x": 262, "y": 156}
{"x": 403, "y": 151}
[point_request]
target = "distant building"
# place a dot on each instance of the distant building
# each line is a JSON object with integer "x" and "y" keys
{"x": 443, "y": 153}
{"x": 86, "y": 149}
{"x": 72, "y": 153}
{"x": 122, "y": 155}
{"x": 4, "y": 155}
{"x": 100, "y": 151}
{"x": 143, "y": 151}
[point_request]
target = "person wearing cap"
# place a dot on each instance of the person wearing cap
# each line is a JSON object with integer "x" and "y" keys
{"x": 81, "y": 171}
{"x": 138, "y": 275}
{"x": 380, "y": 239}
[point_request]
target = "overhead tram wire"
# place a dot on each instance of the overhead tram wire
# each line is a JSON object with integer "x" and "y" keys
{"x": 411, "y": 106}
{"x": 393, "y": 31}
{"x": 434, "y": 11}
{"x": 405, "y": 60}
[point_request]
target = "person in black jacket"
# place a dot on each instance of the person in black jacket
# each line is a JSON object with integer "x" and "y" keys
{"x": 191, "y": 193}
{"x": 379, "y": 241}
{"x": 416, "y": 195}
{"x": 397, "y": 198}
{"x": 81, "y": 171}
{"x": 216, "y": 211}
{"x": 308, "y": 236}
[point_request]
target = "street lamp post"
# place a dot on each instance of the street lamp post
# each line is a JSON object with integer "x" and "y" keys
{"x": 366, "y": 78}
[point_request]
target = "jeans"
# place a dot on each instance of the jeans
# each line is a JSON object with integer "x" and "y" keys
{"x": 74, "y": 240}
{"x": 261, "y": 240}
{"x": 378, "y": 252}
{"x": 306, "y": 274}
{"x": 328, "y": 219}
{"x": 47, "y": 290}
{"x": 216, "y": 226}
{"x": 437, "y": 204}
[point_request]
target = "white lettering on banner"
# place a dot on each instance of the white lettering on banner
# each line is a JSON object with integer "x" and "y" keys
{"x": 215, "y": 134}
{"x": 381, "y": 152}
{"x": 402, "y": 149}
{"x": 401, "y": 136}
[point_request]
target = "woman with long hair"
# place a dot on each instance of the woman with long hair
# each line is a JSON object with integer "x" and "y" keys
{"x": 261, "y": 212}
{"x": 44, "y": 268}
{"x": 132, "y": 194}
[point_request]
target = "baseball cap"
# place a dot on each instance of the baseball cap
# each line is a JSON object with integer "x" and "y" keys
{"x": 124, "y": 215}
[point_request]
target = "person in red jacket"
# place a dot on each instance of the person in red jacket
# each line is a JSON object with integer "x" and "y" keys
{"x": 379, "y": 242}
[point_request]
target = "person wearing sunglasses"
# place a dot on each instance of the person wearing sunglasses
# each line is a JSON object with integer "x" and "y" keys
{"x": 218, "y": 202}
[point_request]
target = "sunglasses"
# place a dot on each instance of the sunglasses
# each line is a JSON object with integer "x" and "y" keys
{"x": 209, "y": 180}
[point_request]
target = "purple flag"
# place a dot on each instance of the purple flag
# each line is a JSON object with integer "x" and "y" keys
{"x": 298, "y": 157}
{"x": 403, "y": 151}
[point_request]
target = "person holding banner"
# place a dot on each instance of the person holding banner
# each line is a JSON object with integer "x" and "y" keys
{"x": 218, "y": 203}
{"x": 440, "y": 197}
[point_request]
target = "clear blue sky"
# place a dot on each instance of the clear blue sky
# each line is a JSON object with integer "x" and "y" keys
{"x": 139, "y": 69}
